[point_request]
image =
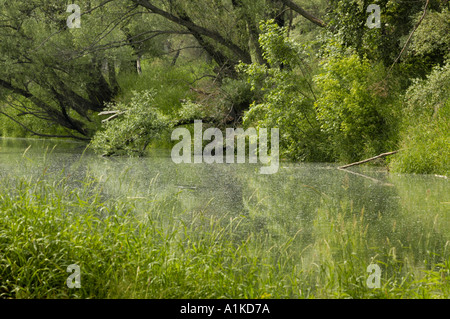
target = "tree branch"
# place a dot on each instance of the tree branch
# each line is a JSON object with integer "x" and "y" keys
{"x": 43, "y": 135}
{"x": 303, "y": 12}
{"x": 368, "y": 160}
{"x": 242, "y": 54}
{"x": 409, "y": 38}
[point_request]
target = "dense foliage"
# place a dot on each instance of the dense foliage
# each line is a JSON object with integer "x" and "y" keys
{"x": 138, "y": 123}
{"x": 355, "y": 108}
{"x": 337, "y": 89}
{"x": 426, "y": 132}
{"x": 286, "y": 98}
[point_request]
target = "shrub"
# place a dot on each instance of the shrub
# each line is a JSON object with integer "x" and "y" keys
{"x": 426, "y": 128}
{"x": 136, "y": 125}
{"x": 285, "y": 96}
{"x": 355, "y": 107}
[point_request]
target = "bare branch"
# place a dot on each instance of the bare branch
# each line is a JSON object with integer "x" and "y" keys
{"x": 126, "y": 42}
{"x": 368, "y": 160}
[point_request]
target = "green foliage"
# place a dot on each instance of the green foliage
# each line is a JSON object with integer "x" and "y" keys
{"x": 286, "y": 95}
{"x": 191, "y": 111}
{"x": 426, "y": 147}
{"x": 171, "y": 84}
{"x": 237, "y": 95}
{"x": 347, "y": 19}
{"x": 138, "y": 123}
{"x": 56, "y": 70}
{"x": 355, "y": 107}
{"x": 52, "y": 74}
{"x": 426, "y": 129}
{"x": 432, "y": 41}
{"x": 426, "y": 97}
{"x": 277, "y": 48}
{"x": 15, "y": 123}
{"x": 343, "y": 113}
{"x": 9, "y": 128}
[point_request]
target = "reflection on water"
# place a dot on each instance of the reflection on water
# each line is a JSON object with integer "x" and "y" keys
{"x": 406, "y": 216}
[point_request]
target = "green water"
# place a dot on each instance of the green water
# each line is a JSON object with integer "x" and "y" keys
{"x": 406, "y": 217}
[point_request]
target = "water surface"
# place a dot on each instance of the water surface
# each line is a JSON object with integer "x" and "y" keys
{"x": 406, "y": 217}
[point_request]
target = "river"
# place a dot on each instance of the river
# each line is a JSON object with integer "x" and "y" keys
{"x": 406, "y": 217}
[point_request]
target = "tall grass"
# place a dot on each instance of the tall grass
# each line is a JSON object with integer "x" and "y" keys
{"x": 129, "y": 247}
{"x": 426, "y": 145}
{"x": 425, "y": 140}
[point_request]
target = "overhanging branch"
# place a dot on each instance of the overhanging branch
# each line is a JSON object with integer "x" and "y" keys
{"x": 303, "y": 12}
{"x": 40, "y": 134}
{"x": 242, "y": 54}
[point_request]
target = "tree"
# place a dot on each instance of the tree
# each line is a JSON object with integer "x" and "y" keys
{"x": 65, "y": 76}
{"x": 52, "y": 72}
{"x": 227, "y": 31}
{"x": 285, "y": 94}
{"x": 347, "y": 19}
{"x": 354, "y": 107}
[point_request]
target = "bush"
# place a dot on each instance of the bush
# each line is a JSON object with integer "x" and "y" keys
{"x": 345, "y": 113}
{"x": 426, "y": 129}
{"x": 285, "y": 96}
{"x": 356, "y": 107}
{"x": 136, "y": 125}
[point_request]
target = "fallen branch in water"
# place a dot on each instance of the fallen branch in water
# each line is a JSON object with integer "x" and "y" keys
{"x": 368, "y": 160}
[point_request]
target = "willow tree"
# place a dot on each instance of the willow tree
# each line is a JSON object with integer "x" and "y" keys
{"x": 59, "y": 74}
{"x": 66, "y": 75}
{"x": 227, "y": 30}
